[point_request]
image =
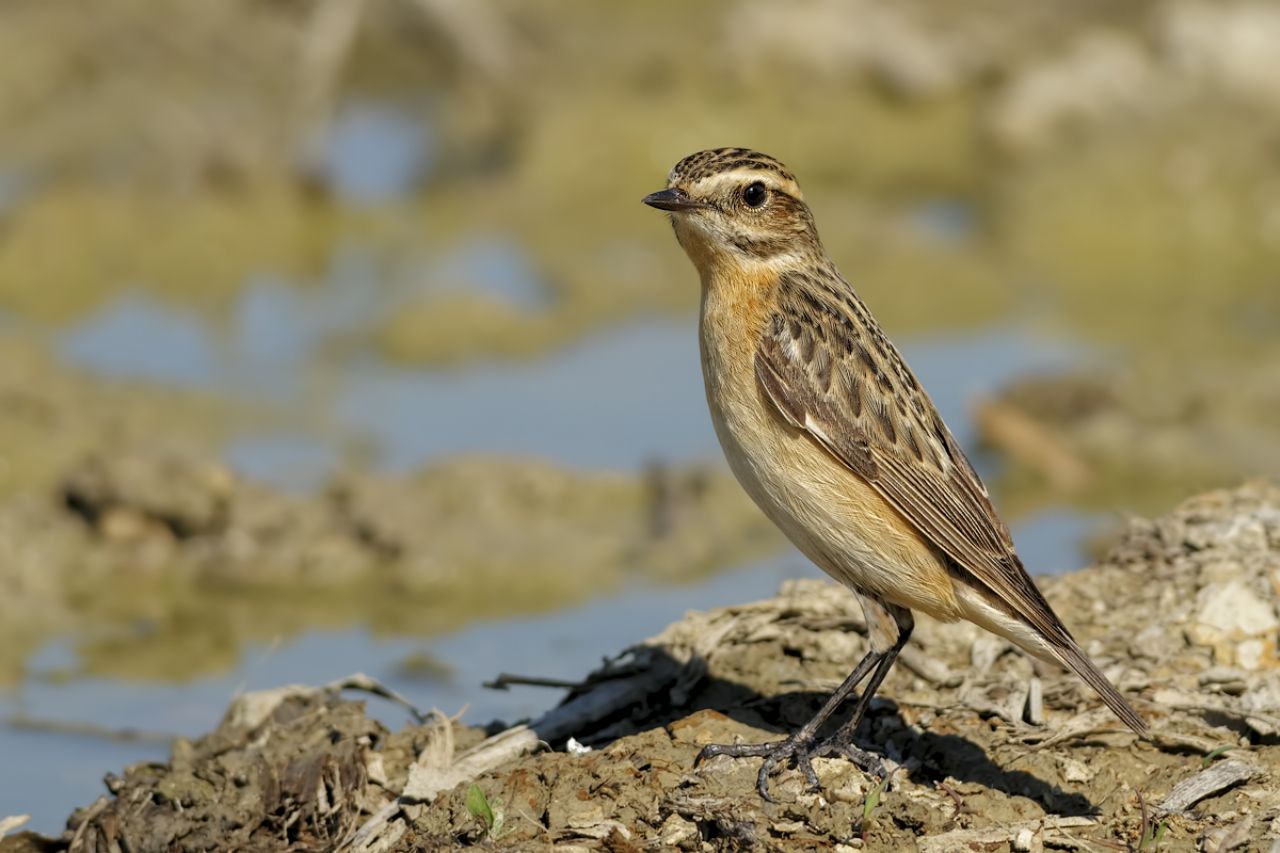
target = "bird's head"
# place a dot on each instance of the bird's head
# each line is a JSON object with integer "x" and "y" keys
{"x": 737, "y": 206}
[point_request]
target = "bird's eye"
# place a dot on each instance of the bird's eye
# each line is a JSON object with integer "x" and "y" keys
{"x": 754, "y": 194}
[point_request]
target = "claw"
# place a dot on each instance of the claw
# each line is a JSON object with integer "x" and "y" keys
{"x": 804, "y": 763}
{"x": 868, "y": 762}
{"x": 792, "y": 751}
{"x": 778, "y": 752}
{"x": 762, "y": 779}
{"x": 796, "y": 751}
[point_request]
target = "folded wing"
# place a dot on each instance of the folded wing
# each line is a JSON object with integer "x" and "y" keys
{"x": 829, "y": 370}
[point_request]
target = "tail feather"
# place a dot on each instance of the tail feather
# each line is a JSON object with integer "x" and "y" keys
{"x": 1057, "y": 645}
{"x": 1072, "y": 657}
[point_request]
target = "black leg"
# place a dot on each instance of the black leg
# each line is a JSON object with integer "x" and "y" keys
{"x": 889, "y": 628}
{"x": 798, "y": 747}
{"x": 842, "y": 740}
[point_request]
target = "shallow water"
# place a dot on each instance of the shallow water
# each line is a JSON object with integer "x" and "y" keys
{"x": 616, "y": 399}
{"x": 625, "y": 396}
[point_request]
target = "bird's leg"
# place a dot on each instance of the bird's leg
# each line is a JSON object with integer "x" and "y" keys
{"x": 887, "y": 624}
{"x": 888, "y": 628}
{"x": 800, "y": 746}
{"x": 841, "y": 741}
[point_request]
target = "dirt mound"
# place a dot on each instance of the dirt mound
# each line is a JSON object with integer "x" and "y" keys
{"x": 988, "y": 750}
{"x": 160, "y": 533}
{"x": 1130, "y": 437}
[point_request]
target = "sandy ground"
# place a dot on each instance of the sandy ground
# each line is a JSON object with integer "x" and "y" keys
{"x": 988, "y": 751}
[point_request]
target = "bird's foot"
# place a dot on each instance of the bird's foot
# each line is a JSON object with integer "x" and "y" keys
{"x": 868, "y": 762}
{"x": 778, "y": 753}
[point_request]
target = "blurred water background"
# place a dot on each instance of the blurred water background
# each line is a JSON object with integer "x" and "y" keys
{"x": 334, "y": 338}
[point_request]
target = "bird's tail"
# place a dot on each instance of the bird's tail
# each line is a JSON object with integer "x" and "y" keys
{"x": 1074, "y": 659}
{"x": 1052, "y": 642}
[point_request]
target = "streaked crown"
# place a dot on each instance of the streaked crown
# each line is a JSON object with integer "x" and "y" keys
{"x": 718, "y": 161}
{"x": 736, "y": 203}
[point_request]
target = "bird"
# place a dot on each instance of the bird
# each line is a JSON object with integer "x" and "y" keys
{"x": 834, "y": 438}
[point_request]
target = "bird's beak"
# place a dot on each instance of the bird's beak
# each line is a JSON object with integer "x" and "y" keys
{"x": 674, "y": 200}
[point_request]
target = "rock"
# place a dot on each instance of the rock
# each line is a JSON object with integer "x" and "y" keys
{"x": 1074, "y": 770}
{"x": 1026, "y": 841}
{"x": 1226, "y": 46}
{"x": 1231, "y": 612}
{"x": 1256, "y": 653}
{"x": 1102, "y": 75}
{"x": 837, "y": 38}
{"x": 1225, "y": 838}
{"x": 677, "y": 832}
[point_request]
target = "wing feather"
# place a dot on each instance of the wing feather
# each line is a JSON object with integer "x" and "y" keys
{"x": 819, "y": 355}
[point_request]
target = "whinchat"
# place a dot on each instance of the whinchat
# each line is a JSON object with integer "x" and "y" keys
{"x": 831, "y": 434}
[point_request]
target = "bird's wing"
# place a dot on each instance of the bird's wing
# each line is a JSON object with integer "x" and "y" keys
{"x": 829, "y": 370}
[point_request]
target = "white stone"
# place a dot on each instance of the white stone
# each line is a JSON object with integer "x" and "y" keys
{"x": 1100, "y": 75}
{"x": 9, "y": 824}
{"x": 1074, "y": 770}
{"x": 1251, "y": 654}
{"x": 676, "y": 831}
{"x": 1231, "y": 611}
{"x": 1229, "y": 45}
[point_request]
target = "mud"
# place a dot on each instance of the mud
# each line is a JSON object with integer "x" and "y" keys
{"x": 51, "y": 417}
{"x": 203, "y": 562}
{"x": 1107, "y": 438}
{"x": 1011, "y": 112}
{"x": 987, "y": 750}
